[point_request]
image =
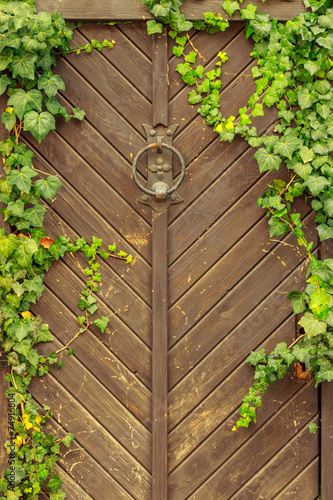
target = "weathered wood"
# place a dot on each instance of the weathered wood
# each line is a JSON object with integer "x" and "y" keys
{"x": 160, "y": 80}
{"x": 110, "y": 370}
{"x": 305, "y": 485}
{"x": 76, "y": 466}
{"x": 93, "y": 437}
{"x": 221, "y": 445}
{"x": 283, "y": 467}
{"x": 199, "y": 381}
{"x": 134, "y": 10}
{"x": 104, "y": 408}
{"x": 160, "y": 356}
{"x": 190, "y": 314}
{"x": 326, "y": 420}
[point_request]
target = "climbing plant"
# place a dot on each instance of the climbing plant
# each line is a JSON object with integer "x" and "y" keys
{"x": 293, "y": 73}
{"x": 29, "y": 43}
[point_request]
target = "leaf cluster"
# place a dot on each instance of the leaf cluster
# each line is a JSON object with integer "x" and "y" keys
{"x": 314, "y": 348}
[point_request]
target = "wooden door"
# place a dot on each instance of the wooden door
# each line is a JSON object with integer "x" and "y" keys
{"x": 225, "y": 295}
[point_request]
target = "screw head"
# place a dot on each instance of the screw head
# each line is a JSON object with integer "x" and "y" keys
{"x": 169, "y": 131}
{"x": 152, "y": 133}
{"x": 145, "y": 197}
{"x": 174, "y": 197}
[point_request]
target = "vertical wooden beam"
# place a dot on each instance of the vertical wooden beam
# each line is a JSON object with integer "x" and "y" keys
{"x": 160, "y": 356}
{"x": 160, "y": 288}
{"x": 160, "y": 79}
{"x": 326, "y": 426}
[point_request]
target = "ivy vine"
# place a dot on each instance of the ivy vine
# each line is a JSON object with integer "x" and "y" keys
{"x": 293, "y": 73}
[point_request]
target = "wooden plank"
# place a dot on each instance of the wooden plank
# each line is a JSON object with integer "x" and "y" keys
{"x": 275, "y": 433}
{"x": 112, "y": 85}
{"x": 326, "y": 427}
{"x": 226, "y": 356}
{"x": 139, "y": 35}
{"x": 305, "y": 485}
{"x": 78, "y": 379}
{"x": 76, "y": 466}
{"x": 160, "y": 356}
{"x": 283, "y": 467}
{"x": 119, "y": 380}
{"x": 230, "y": 450}
{"x": 234, "y": 381}
{"x": 106, "y": 10}
{"x": 125, "y": 55}
{"x": 191, "y": 315}
{"x": 93, "y": 437}
{"x": 160, "y": 79}
{"x": 89, "y": 183}
{"x": 220, "y": 238}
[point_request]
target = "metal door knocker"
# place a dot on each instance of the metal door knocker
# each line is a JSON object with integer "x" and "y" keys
{"x": 160, "y": 192}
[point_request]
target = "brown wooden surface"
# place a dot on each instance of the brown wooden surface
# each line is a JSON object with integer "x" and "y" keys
{"x": 226, "y": 296}
{"x": 160, "y": 356}
{"x": 108, "y": 10}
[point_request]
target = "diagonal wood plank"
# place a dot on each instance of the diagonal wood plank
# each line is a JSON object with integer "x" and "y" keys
{"x": 94, "y": 438}
{"x": 283, "y": 426}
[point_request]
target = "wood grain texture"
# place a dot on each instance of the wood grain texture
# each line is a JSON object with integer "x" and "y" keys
{"x": 160, "y": 356}
{"x": 226, "y": 296}
{"x": 134, "y": 10}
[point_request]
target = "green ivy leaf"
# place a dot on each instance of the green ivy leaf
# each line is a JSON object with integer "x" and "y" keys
{"x": 23, "y": 254}
{"x": 78, "y": 114}
{"x": 102, "y": 323}
{"x": 303, "y": 169}
{"x": 23, "y": 101}
{"x": 68, "y": 439}
{"x": 266, "y": 160}
{"x": 325, "y": 232}
{"x": 286, "y": 146}
{"x": 306, "y": 154}
{"x": 8, "y": 118}
{"x": 23, "y": 64}
{"x": 312, "y": 67}
{"x": 47, "y": 187}
{"x": 58, "y": 495}
{"x": 39, "y": 124}
{"x": 316, "y": 184}
{"x": 50, "y": 83}
{"x": 297, "y": 300}
{"x": 277, "y": 227}
{"x": 22, "y": 178}
{"x": 249, "y": 12}
{"x": 54, "y": 483}
{"x": 8, "y": 244}
{"x": 154, "y": 27}
{"x": 35, "y": 215}
{"x": 230, "y": 7}
{"x": 305, "y": 98}
{"x": 312, "y": 325}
